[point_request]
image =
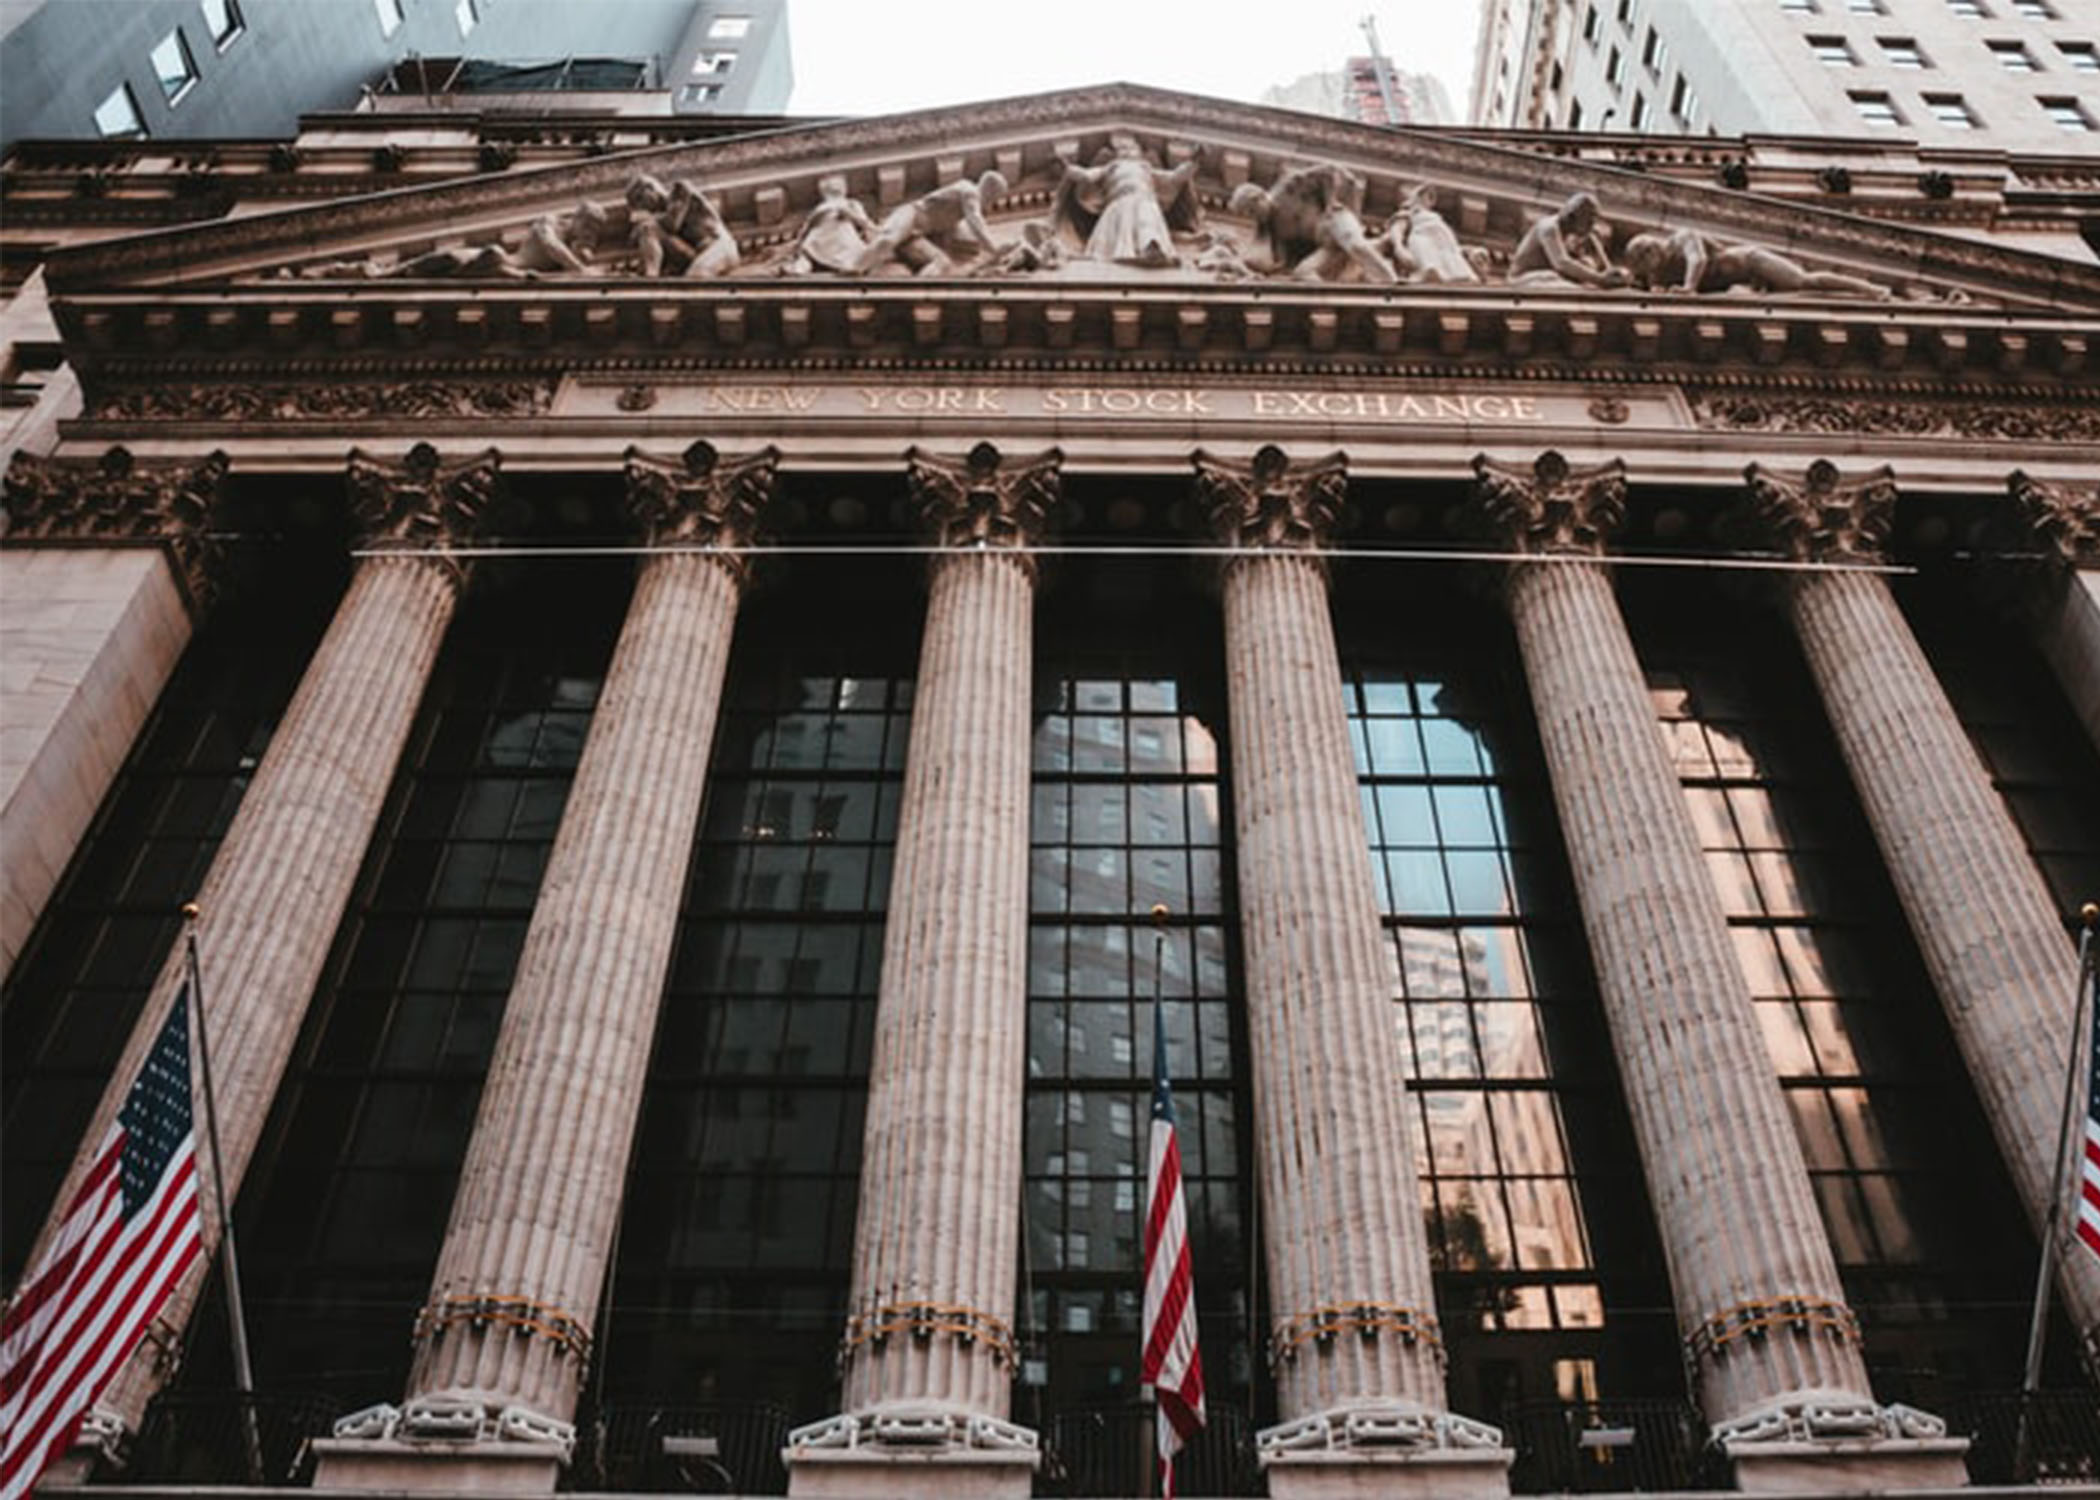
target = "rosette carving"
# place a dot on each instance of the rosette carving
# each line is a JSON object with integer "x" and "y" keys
{"x": 699, "y": 499}
{"x": 1819, "y": 518}
{"x": 116, "y": 498}
{"x": 1551, "y": 507}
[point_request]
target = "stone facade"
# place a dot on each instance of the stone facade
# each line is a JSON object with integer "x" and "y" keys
{"x": 986, "y": 348}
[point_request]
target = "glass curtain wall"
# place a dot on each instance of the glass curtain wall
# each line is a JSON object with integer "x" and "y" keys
{"x": 76, "y": 989}
{"x": 344, "y": 1211}
{"x": 1935, "y": 1256}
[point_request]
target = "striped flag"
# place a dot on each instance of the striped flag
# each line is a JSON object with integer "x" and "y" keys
{"x": 128, "y": 1236}
{"x": 2087, "y": 1224}
{"x": 1173, "y": 1365}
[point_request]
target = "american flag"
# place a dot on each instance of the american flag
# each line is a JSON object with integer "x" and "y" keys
{"x": 2088, "y": 1221}
{"x": 128, "y": 1236}
{"x": 1173, "y": 1365}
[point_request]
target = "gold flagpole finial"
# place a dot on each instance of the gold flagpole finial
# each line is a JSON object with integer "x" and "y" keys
{"x": 190, "y": 911}
{"x": 2088, "y": 915}
{"x": 1160, "y": 913}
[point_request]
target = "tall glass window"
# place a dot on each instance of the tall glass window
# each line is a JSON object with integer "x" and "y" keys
{"x": 1915, "y": 1206}
{"x": 77, "y": 988}
{"x": 1130, "y": 811}
{"x": 1538, "y": 1225}
{"x": 343, "y": 1215}
{"x": 737, "y": 1240}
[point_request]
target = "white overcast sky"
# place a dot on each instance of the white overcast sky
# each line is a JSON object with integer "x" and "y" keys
{"x": 862, "y": 57}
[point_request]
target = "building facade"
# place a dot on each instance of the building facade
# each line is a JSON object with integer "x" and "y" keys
{"x": 2022, "y": 75}
{"x": 680, "y": 673}
{"x": 224, "y": 70}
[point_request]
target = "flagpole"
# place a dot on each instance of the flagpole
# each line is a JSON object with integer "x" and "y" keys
{"x": 2074, "y": 1078}
{"x": 1161, "y": 1471}
{"x": 236, "y": 1319}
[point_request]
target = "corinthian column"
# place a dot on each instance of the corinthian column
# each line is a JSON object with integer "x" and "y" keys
{"x": 502, "y": 1345}
{"x": 928, "y": 1352}
{"x": 1773, "y": 1349}
{"x": 105, "y": 565}
{"x": 2065, "y": 521}
{"x": 1356, "y": 1348}
{"x": 275, "y": 893}
{"x": 1991, "y": 937}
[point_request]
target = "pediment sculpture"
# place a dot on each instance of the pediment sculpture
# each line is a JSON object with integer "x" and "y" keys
{"x": 1123, "y": 213}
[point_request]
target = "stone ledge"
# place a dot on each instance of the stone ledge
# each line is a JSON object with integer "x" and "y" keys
{"x": 1434, "y": 1474}
{"x": 1837, "y": 1467}
{"x": 901, "y": 1474}
{"x": 405, "y": 1466}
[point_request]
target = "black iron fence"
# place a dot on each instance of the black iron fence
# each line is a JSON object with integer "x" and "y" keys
{"x": 224, "y": 1437}
{"x": 1592, "y": 1446}
{"x": 710, "y": 1448}
{"x": 2051, "y": 1437}
{"x": 1107, "y": 1450}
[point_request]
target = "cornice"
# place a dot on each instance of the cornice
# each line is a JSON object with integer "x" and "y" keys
{"x": 1628, "y": 197}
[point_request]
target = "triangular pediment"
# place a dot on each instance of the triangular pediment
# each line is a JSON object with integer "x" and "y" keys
{"x": 1119, "y": 186}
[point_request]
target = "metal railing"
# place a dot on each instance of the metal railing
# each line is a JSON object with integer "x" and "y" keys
{"x": 2051, "y": 1437}
{"x": 224, "y": 1437}
{"x": 1107, "y": 1450}
{"x": 707, "y": 1448}
{"x": 1592, "y": 1446}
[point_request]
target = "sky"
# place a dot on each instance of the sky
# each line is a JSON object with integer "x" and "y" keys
{"x": 857, "y": 57}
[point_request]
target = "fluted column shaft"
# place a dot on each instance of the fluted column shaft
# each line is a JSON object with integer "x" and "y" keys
{"x": 517, "y": 1284}
{"x": 2062, "y": 587}
{"x": 277, "y": 890}
{"x": 1342, "y": 1211}
{"x": 1723, "y": 1163}
{"x": 1989, "y": 932}
{"x": 2069, "y": 634}
{"x": 941, "y": 1174}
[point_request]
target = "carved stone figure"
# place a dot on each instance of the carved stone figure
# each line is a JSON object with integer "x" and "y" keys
{"x": 942, "y": 231}
{"x": 553, "y": 244}
{"x": 1422, "y": 245}
{"x": 678, "y": 230}
{"x": 835, "y": 233}
{"x": 1123, "y": 204}
{"x": 1039, "y": 249}
{"x": 1309, "y": 218}
{"x": 1222, "y": 256}
{"x": 1687, "y": 261}
{"x": 1563, "y": 247}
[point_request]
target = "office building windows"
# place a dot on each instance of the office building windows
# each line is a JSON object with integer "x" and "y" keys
{"x": 1951, "y": 110}
{"x": 117, "y": 117}
{"x": 2034, "y": 10}
{"x": 728, "y": 28}
{"x": 1834, "y": 50}
{"x": 1877, "y": 109}
{"x": 2080, "y": 57}
{"x": 1902, "y": 52}
{"x": 173, "y": 66}
{"x": 222, "y": 21}
{"x": 1969, "y": 9}
{"x": 2068, "y": 113}
{"x": 2014, "y": 57}
{"x": 390, "y": 16}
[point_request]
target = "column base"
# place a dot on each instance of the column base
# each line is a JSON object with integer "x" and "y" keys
{"x": 443, "y": 1445}
{"x": 920, "y": 1451}
{"x": 1400, "y": 1451}
{"x": 1842, "y": 1447}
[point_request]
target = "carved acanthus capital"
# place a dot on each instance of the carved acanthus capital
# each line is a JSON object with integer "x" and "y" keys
{"x": 116, "y": 498}
{"x": 2064, "y": 518}
{"x": 699, "y": 499}
{"x": 1272, "y": 504}
{"x": 1819, "y": 518}
{"x": 1551, "y": 507}
{"x": 986, "y": 500}
{"x": 420, "y": 504}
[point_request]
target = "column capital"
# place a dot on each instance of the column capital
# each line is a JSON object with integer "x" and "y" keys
{"x": 2064, "y": 518}
{"x": 1551, "y": 508}
{"x": 116, "y": 498}
{"x": 700, "y": 499}
{"x": 985, "y": 500}
{"x": 1272, "y": 504}
{"x": 420, "y": 504}
{"x": 1818, "y": 518}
